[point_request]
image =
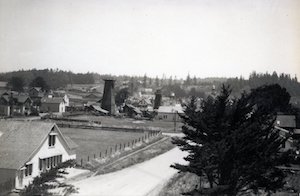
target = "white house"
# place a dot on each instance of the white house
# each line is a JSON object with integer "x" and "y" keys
{"x": 55, "y": 104}
{"x": 169, "y": 113}
{"x": 29, "y": 148}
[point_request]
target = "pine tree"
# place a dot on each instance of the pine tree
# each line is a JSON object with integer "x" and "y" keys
{"x": 232, "y": 143}
{"x": 42, "y": 184}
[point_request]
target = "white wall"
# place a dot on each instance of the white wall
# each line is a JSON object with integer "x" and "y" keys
{"x": 44, "y": 151}
{"x": 167, "y": 116}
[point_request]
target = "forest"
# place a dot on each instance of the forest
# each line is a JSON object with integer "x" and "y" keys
{"x": 258, "y": 79}
{"x": 53, "y": 77}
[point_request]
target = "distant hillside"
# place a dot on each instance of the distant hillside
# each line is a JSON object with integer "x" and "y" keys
{"x": 54, "y": 78}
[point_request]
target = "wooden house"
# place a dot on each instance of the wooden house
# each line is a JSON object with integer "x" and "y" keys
{"x": 29, "y": 148}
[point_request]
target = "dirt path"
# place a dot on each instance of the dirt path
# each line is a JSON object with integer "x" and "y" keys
{"x": 141, "y": 179}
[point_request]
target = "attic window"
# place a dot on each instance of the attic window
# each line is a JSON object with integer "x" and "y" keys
{"x": 51, "y": 140}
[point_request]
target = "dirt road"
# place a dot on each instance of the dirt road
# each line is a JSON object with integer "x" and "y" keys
{"x": 142, "y": 179}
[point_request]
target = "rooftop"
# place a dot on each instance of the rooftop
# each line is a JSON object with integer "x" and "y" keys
{"x": 19, "y": 139}
{"x": 287, "y": 121}
{"x": 170, "y": 109}
{"x": 53, "y": 100}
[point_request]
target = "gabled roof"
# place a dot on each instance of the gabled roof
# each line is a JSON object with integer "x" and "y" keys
{"x": 38, "y": 89}
{"x": 57, "y": 100}
{"x": 21, "y": 99}
{"x": 19, "y": 140}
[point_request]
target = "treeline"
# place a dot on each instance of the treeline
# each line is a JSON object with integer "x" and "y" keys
{"x": 53, "y": 77}
{"x": 258, "y": 79}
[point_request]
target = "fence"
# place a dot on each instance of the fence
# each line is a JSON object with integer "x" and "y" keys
{"x": 7, "y": 186}
{"x": 118, "y": 148}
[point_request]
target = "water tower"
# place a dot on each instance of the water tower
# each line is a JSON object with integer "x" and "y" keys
{"x": 108, "y": 99}
{"x": 157, "y": 100}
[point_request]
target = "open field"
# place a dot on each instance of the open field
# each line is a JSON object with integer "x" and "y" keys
{"x": 91, "y": 141}
{"x": 128, "y": 122}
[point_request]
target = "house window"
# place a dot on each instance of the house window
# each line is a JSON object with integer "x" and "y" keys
{"x": 51, "y": 140}
{"x": 40, "y": 164}
{"x": 28, "y": 170}
{"x": 50, "y": 162}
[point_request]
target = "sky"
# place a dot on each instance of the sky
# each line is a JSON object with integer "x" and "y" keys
{"x": 203, "y": 38}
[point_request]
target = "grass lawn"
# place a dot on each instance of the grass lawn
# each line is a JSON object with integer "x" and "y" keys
{"x": 92, "y": 141}
{"x": 129, "y": 122}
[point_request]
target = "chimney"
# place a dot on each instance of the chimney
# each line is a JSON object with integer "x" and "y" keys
{"x": 108, "y": 99}
{"x": 157, "y": 101}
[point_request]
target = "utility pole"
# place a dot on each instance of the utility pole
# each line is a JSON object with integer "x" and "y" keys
{"x": 175, "y": 121}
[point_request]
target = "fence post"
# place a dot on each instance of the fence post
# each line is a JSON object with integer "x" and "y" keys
{"x": 120, "y": 147}
{"x": 110, "y": 150}
{"x": 94, "y": 156}
{"x": 81, "y": 162}
{"x": 106, "y": 152}
{"x": 100, "y": 154}
{"x": 116, "y": 147}
{"x": 124, "y": 146}
{"x": 88, "y": 158}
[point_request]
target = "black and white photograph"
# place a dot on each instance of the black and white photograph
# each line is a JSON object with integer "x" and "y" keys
{"x": 149, "y": 97}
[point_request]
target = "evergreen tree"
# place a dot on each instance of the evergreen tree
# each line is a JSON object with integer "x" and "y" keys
{"x": 233, "y": 144}
{"x": 49, "y": 180}
{"x": 188, "y": 80}
{"x": 121, "y": 96}
{"x": 39, "y": 82}
{"x": 145, "y": 81}
{"x": 195, "y": 81}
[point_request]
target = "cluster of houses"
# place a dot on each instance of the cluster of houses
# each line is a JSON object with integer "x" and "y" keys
{"x": 35, "y": 100}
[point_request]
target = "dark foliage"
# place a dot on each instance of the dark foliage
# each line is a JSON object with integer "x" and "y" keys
{"x": 49, "y": 180}
{"x": 256, "y": 80}
{"x": 121, "y": 96}
{"x": 39, "y": 82}
{"x": 232, "y": 143}
{"x": 54, "y": 78}
{"x": 16, "y": 84}
{"x": 175, "y": 88}
{"x": 196, "y": 93}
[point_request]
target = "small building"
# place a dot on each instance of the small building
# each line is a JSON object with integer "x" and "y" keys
{"x": 55, "y": 104}
{"x": 286, "y": 124}
{"x": 169, "y": 113}
{"x": 36, "y": 94}
{"x": 15, "y": 104}
{"x": 29, "y": 148}
{"x": 62, "y": 94}
{"x": 286, "y": 121}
